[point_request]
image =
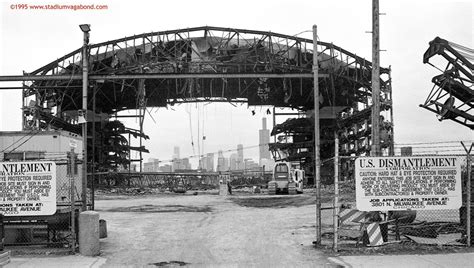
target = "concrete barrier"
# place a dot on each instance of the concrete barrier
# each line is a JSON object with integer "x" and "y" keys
{"x": 223, "y": 190}
{"x": 89, "y": 233}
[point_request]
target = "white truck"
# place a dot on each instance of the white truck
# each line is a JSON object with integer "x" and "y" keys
{"x": 286, "y": 179}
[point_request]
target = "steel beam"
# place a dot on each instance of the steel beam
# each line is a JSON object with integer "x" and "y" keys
{"x": 154, "y": 76}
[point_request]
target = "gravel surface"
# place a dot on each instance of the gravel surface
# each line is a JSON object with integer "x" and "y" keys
{"x": 210, "y": 230}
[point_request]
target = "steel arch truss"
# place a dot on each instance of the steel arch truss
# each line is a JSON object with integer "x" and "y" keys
{"x": 206, "y": 50}
{"x": 208, "y": 64}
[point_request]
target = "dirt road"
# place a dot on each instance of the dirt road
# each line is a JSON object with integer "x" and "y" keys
{"x": 210, "y": 230}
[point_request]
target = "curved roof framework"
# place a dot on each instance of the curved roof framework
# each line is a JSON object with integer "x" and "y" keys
{"x": 207, "y": 64}
{"x": 194, "y": 63}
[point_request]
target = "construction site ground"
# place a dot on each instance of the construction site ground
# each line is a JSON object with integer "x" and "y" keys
{"x": 244, "y": 227}
{"x": 210, "y": 230}
{"x": 202, "y": 229}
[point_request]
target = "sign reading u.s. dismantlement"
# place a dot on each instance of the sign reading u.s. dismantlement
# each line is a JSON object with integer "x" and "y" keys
{"x": 27, "y": 188}
{"x": 412, "y": 182}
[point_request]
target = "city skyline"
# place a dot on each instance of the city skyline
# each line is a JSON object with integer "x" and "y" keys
{"x": 236, "y": 160}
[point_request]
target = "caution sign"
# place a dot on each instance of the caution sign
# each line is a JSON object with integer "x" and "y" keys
{"x": 27, "y": 188}
{"x": 401, "y": 183}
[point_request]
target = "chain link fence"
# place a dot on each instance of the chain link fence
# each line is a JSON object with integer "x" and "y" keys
{"x": 136, "y": 183}
{"x": 44, "y": 233}
{"x": 346, "y": 225}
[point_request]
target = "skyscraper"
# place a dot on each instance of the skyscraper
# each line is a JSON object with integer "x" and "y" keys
{"x": 264, "y": 139}
{"x": 222, "y": 163}
{"x": 240, "y": 156}
{"x": 209, "y": 162}
{"x": 233, "y": 162}
{"x": 203, "y": 163}
{"x": 176, "y": 152}
{"x": 175, "y": 163}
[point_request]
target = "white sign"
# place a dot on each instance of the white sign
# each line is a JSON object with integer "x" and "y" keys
{"x": 414, "y": 182}
{"x": 27, "y": 188}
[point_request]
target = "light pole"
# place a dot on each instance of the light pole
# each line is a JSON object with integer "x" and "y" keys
{"x": 85, "y": 28}
{"x": 317, "y": 160}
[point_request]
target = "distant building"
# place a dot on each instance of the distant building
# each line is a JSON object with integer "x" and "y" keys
{"x": 240, "y": 156}
{"x": 186, "y": 163}
{"x": 264, "y": 139}
{"x": 233, "y": 162}
{"x": 200, "y": 163}
{"x": 250, "y": 165}
{"x": 222, "y": 162}
{"x": 267, "y": 164}
{"x": 176, "y": 152}
{"x": 181, "y": 164}
{"x": 152, "y": 165}
{"x": 165, "y": 168}
{"x": 207, "y": 162}
{"x": 176, "y": 161}
{"x": 210, "y": 162}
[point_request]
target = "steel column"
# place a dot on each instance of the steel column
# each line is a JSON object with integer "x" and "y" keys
{"x": 336, "y": 192}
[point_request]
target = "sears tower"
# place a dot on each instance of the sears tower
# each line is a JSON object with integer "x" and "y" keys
{"x": 264, "y": 139}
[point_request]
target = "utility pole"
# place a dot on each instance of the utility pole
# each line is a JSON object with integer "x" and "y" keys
{"x": 85, "y": 28}
{"x": 93, "y": 148}
{"x": 317, "y": 160}
{"x": 375, "y": 150}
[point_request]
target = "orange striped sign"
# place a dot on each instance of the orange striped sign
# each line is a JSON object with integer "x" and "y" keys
{"x": 374, "y": 234}
{"x": 352, "y": 215}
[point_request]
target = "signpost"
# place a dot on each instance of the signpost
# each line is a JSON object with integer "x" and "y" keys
{"x": 27, "y": 188}
{"x": 404, "y": 183}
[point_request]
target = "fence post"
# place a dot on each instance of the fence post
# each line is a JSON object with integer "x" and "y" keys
{"x": 468, "y": 193}
{"x": 2, "y": 233}
{"x": 336, "y": 192}
{"x": 72, "y": 168}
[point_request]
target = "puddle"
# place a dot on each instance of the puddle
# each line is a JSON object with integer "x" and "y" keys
{"x": 169, "y": 263}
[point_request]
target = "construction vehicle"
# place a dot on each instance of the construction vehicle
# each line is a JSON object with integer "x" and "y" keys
{"x": 286, "y": 179}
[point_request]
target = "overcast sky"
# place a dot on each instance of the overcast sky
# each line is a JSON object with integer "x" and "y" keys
{"x": 31, "y": 39}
